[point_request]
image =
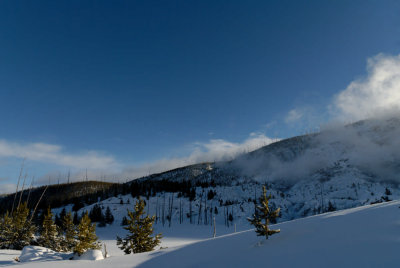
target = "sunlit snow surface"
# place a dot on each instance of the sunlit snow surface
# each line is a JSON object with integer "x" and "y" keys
{"x": 367, "y": 236}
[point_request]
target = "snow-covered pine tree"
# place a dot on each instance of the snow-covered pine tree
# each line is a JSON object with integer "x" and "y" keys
{"x": 49, "y": 237}
{"x": 263, "y": 213}
{"x": 140, "y": 228}
{"x": 68, "y": 242}
{"x": 86, "y": 236}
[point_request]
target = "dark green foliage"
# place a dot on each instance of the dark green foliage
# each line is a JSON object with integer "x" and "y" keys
{"x": 68, "y": 242}
{"x": 62, "y": 214}
{"x": 86, "y": 236}
{"x": 96, "y": 214}
{"x": 49, "y": 237}
{"x": 387, "y": 192}
{"x": 16, "y": 230}
{"x": 331, "y": 207}
{"x": 109, "y": 218}
{"x": 57, "y": 220}
{"x": 77, "y": 205}
{"x": 211, "y": 194}
{"x": 263, "y": 216}
{"x": 124, "y": 221}
{"x": 77, "y": 193}
{"x": 5, "y": 231}
{"x": 230, "y": 217}
{"x": 140, "y": 228}
{"x": 76, "y": 218}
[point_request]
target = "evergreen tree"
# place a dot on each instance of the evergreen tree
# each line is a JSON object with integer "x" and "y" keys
{"x": 23, "y": 229}
{"x": 69, "y": 241}
{"x": 49, "y": 235}
{"x": 86, "y": 236}
{"x": 62, "y": 215}
{"x": 140, "y": 228}
{"x": 58, "y": 220}
{"x": 264, "y": 213}
{"x": 96, "y": 214}
{"x": 124, "y": 221}
{"x": 76, "y": 219}
{"x": 109, "y": 218}
{"x": 5, "y": 231}
{"x": 16, "y": 230}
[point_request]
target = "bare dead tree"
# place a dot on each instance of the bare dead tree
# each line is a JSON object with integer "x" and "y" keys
{"x": 215, "y": 228}
{"x": 30, "y": 189}
{"x": 200, "y": 210}
{"x": 205, "y": 211}
{"x": 170, "y": 209}
{"x": 16, "y": 191}
{"x": 157, "y": 210}
{"x": 68, "y": 176}
{"x": 190, "y": 211}
{"x": 22, "y": 190}
{"x": 163, "y": 212}
{"x": 37, "y": 204}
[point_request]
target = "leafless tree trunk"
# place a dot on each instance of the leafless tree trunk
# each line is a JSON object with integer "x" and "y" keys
{"x": 200, "y": 210}
{"x": 163, "y": 212}
{"x": 170, "y": 209}
{"x": 215, "y": 228}
{"x": 16, "y": 191}
{"x": 22, "y": 191}
{"x": 37, "y": 204}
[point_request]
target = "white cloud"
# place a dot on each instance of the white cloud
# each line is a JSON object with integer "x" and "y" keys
{"x": 376, "y": 94}
{"x": 294, "y": 115}
{"x": 54, "y": 154}
{"x": 214, "y": 150}
{"x": 7, "y": 188}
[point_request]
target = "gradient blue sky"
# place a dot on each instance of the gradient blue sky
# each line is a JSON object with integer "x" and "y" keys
{"x": 140, "y": 81}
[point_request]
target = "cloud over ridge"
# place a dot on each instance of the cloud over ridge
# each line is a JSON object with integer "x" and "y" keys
{"x": 376, "y": 94}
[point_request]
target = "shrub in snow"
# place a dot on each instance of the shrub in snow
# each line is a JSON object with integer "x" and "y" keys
{"x": 264, "y": 213}
{"x": 140, "y": 228}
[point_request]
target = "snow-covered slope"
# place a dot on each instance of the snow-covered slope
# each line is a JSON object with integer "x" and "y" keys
{"x": 338, "y": 168}
{"x": 366, "y": 236}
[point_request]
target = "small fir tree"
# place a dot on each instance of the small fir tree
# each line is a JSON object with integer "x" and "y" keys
{"x": 124, "y": 221}
{"x": 263, "y": 216}
{"x": 140, "y": 228}
{"x": 49, "y": 235}
{"x": 69, "y": 240}
{"x": 109, "y": 218}
{"x": 22, "y": 230}
{"x": 6, "y": 231}
{"x": 86, "y": 236}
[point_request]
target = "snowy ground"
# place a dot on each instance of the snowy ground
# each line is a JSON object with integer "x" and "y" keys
{"x": 361, "y": 237}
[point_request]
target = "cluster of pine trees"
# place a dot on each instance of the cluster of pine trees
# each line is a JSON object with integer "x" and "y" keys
{"x": 17, "y": 230}
{"x": 69, "y": 237}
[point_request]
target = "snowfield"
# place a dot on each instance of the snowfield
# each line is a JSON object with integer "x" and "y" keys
{"x": 367, "y": 236}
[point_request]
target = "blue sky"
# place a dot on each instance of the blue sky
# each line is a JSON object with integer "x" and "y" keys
{"x": 125, "y": 86}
